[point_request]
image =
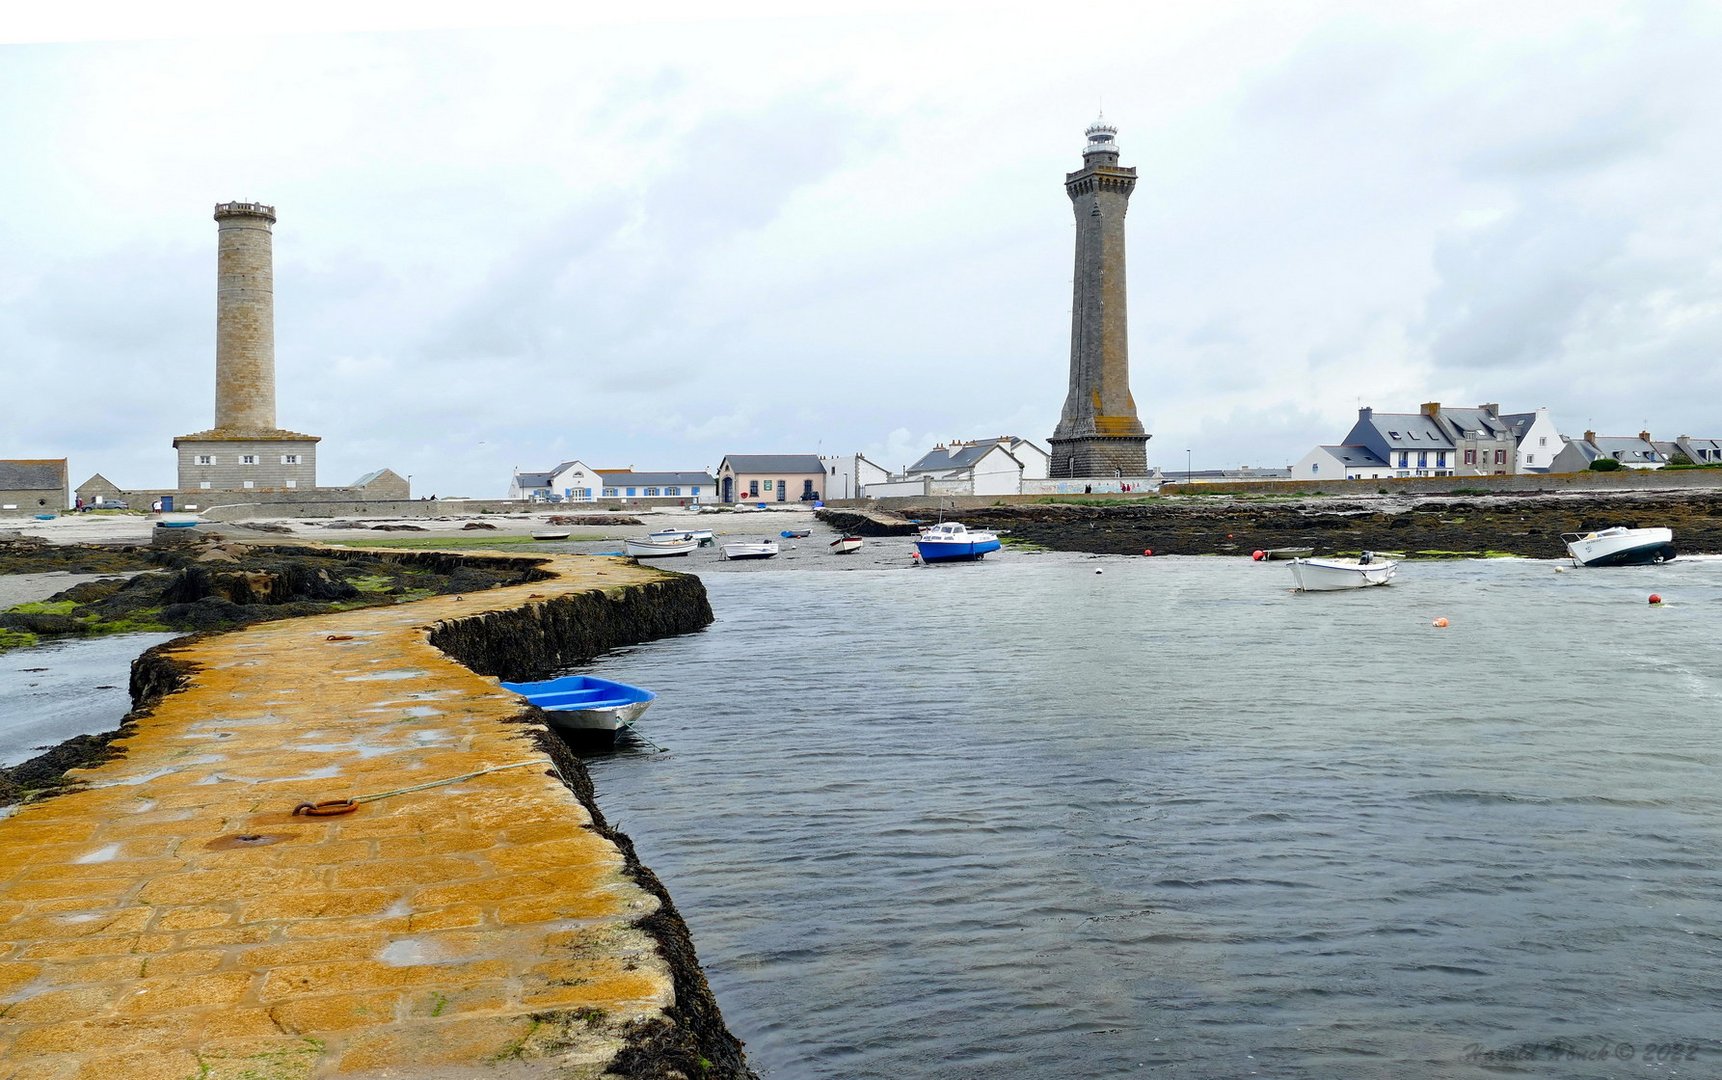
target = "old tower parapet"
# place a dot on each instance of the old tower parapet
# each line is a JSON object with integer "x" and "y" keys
{"x": 1098, "y": 433}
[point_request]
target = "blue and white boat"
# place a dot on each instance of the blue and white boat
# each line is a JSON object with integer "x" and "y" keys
{"x": 585, "y": 706}
{"x": 949, "y": 541}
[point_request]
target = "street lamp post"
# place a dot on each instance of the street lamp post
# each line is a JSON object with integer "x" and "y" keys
{"x": 1189, "y": 470}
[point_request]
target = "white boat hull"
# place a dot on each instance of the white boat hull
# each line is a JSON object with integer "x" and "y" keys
{"x": 1334, "y": 575}
{"x": 743, "y": 550}
{"x": 657, "y": 549}
{"x": 700, "y": 536}
{"x": 1621, "y": 547}
{"x": 846, "y": 545}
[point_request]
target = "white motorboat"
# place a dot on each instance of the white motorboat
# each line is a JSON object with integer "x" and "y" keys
{"x": 750, "y": 549}
{"x": 656, "y": 549}
{"x": 952, "y": 540}
{"x": 1620, "y": 546}
{"x": 1331, "y": 575}
{"x": 702, "y": 536}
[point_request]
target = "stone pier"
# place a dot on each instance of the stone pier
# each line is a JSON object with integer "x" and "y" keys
{"x": 174, "y": 919}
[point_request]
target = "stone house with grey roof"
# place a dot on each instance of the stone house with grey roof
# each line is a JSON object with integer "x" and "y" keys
{"x": 983, "y": 466}
{"x": 1633, "y": 452}
{"x": 769, "y": 478}
{"x": 33, "y": 486}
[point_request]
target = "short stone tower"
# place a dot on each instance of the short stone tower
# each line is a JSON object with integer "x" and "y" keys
{"x": 245, "y": 450}
{"x": 1098, "y": 433}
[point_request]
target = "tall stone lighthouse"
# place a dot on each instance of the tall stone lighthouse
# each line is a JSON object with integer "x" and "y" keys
{"x": 1098, "y": 433}
{"x": 245, "y": 450}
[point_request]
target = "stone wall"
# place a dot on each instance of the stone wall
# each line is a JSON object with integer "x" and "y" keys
{"x": 1587, "y": 482}
{"x": 227, "y": 470}
{"x": 31, "y": 502}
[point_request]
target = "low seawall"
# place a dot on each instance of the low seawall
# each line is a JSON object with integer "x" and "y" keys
{"x": 174, "y": 917}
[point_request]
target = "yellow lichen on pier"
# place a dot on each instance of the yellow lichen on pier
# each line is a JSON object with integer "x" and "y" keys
{"x": 174, "y": 919}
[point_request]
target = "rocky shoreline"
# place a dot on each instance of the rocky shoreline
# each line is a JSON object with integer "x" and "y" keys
{"x": 1458, "y": 526}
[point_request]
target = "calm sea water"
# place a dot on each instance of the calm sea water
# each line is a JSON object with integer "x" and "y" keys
{"x": 1018, "y": 818}
{"x": 51, "y": 693}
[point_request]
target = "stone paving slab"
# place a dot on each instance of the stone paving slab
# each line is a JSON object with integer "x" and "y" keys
{"x": 175, "y": 920}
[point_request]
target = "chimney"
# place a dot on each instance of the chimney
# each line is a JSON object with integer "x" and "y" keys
{"x": 1645, "y": 435}
{"x": 1590, "y": 437}
{"x": 1431, "y": 408}
{"x": 1364, "y": 412}
{"x": 1492, "y": 408}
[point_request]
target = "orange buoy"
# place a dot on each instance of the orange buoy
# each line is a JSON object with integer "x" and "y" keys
{"x": 1440, "y": 624}
{"x": 1258, "y": 555}
{"x": 1656, "y": 598}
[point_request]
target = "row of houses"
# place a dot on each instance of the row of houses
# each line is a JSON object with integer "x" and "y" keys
{"x": 1483, "y": 441}
{"x": 996, "y": 466}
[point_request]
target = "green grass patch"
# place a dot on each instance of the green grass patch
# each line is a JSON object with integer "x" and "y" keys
{"x": 457, "y": 543}
{"x": 16, "y": 639}
{"x": 45, "y": 607}
{"x": 371, "y": 583}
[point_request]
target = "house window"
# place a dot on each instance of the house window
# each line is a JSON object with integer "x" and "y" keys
{"x": 1441, "y": 458}
{"x": 247, "y": 459}
{"x": 1530, "y": 459}
{"x": 753, "y": 489}
{"x": 1542, "y": 440}
{"x": 248, "y": 483}
{"x": 672, "y": 491}
{"x": 630, "y": 493}
{"x": 206, "y": 459}
{"x": 1314, "y": 467}
{"x": 204, "y": 484}
{"x": 651, "y": 491}
{"x": 1422, "y": 459}
{"x": 579, "y": 493}
{"x": 696, "y": 490}
{"x": 1500, "y": 457}
{"x": 1471, "y": 456}
{"x": 289, "y": 459}
{"x": 609, "y": 493}
{"x": 292, "y": 483}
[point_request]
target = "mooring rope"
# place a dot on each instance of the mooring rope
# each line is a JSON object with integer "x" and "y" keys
{"x": 331, "y": 807}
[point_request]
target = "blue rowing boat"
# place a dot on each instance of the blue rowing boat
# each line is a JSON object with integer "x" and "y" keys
{"x": 585, "y": 706}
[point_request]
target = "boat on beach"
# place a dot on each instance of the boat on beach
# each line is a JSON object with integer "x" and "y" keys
{"x": 702, "y": 536}
{"x": 585, "y": 706}
{"x": 795, "y": 534}
{"x": 1620, "y": 546}
{"x": 1275, "y": 554}
{"x": 845, "y": 545}
{"x": 750, "y": 549}
{"x": 645, "y": 548}
{"x": 550, "y": 535}
{"x": 1332, "y": 575}
{"x": 951, "y": 541}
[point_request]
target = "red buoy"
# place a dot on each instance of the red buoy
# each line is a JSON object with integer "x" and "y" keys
{"x": 1258, "y": 555}
{"x": 1147, "y": 551}
{"x": 1655, "y": 598}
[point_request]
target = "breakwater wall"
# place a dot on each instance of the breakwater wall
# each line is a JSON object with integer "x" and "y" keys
{"x": 173, "y": 916}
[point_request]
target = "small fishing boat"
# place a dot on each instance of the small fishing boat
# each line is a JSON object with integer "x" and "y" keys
{"x": 550, "y": 535}
{"x": 1620, "y": 546}
{"x": 46, "y": 517}
{"x": 585, "y": 706}
{"x": 1332, "y": 575}
{"x": 795, "y": 534}
{"x": 950, "y": 541}
{"x": 702, "y": 536}
{"x": 175, "y": 524}
{"x": 641, "y": 548}
{"x": 750, "y": 549}
{"x": 844, "y": 545}
{"x": 1277, "y": 554}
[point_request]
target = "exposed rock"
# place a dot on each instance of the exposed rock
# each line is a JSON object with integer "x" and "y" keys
{"x": 478, "y": 525}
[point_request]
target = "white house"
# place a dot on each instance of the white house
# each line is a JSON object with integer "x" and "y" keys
{"x": 985, "y": 467}
{"x": 1341, "y": 463}
{"x": 570, "y": 481}
{"x": 847, "y": 475}
{"x": 1539, "y": 440}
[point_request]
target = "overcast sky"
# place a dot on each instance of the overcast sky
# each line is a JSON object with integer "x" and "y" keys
{"x": 657, "y": 240}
